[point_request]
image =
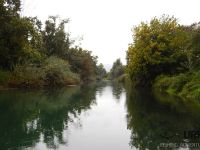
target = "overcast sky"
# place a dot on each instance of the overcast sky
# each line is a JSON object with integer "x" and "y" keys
{"x": 106, "y": 24}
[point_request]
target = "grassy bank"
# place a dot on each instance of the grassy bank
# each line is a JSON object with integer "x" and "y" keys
{"x": 186, "y": 86}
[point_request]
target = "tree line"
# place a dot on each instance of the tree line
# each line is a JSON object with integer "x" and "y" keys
{"x": 36, "y": 54}
{"x": 166, "y": 55}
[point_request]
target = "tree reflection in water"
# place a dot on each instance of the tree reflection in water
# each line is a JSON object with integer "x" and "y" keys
{"x": 27, "y": 117}
{"x": 153, "y": 120}
{"x": 117, "y": 89}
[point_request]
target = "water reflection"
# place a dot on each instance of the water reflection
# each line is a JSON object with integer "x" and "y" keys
{"x": 117, "y": 89}
{"x": 97, "y": 117}
{"x": 29, "y": 116}
{"x": 153, "y": 122}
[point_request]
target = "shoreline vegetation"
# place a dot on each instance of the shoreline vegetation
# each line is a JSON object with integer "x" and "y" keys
{"x": 186, "y": 86}
{"x": 35, "y": 55}
{"x": 165, "y": 57}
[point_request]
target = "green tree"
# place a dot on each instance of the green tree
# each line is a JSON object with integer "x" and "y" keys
{"x": 15, "y": 35}
{"x": 56, "y": 40}
{"x": 101, "y": 72}
{"x": 36, "y": 36}
{"x": 158, "y": 47}
{"x": 193, "y": 48}
{"x": 117, "y": 69}
{"x": 82, "y": 62}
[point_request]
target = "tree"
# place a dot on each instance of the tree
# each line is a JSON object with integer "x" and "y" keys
{"x": 15, "y": 34}
{"x": 158, "y": 47}
{"x": 101, "y": 72}
{"x": 117, "y": 69}
{"x": 193, "y": 46}
{"x": 82, "y": 62}
{"x": 56, "y": 41}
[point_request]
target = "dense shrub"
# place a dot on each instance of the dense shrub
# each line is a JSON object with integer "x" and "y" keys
{"x": 53, "y": 72}
{"x": 27, "y": 75}
{"x": 57, "y": 72}
{"x": 191, "y": 89}
{"x": 186, "y": 85}
{"x": 162, "y": 83}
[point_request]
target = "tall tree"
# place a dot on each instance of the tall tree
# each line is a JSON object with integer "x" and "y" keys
{"x": 15, "y": 34}
{"x": 82, "y": 62}
{"x": 100, "y": 72}
{"x": 117, "y": 69}
{"x": 55, "y": 38}
{"x": 158, "y": 47}
{"x": 193, "y": 48}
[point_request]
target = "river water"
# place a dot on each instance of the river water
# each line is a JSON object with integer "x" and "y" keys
{"x": 96, "y": 117}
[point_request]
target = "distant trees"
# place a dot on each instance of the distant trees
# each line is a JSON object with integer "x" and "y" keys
{"x": 101, "y": 72}
{"x": 117, "y": 69}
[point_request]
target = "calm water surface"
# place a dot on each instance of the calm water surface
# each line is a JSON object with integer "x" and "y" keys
{"x": 96, "y": 117}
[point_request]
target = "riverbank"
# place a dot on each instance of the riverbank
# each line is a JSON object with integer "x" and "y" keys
{"x": 186, "y": 86}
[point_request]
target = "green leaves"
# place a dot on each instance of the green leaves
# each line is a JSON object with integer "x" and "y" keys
{"x": 156, "y": 49}
{"x": 56, "y": 40}
{"x": 117, "y": 69}
{"x": 22, "y": 40}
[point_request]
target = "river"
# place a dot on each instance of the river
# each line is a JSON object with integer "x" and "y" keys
{"x": 96, "y": 117}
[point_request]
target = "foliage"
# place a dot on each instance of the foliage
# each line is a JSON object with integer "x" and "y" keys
{"x": 117, "y": 69}
{"x": 191, "y": 90}
{"x": 27, "y": 75}
{"x": 15, "y": 35}
{"x": 37, "y": 55}
{"x": 83, "y": 63}
{"x": 166, "y": 55}
{"x": 57, "y": 72}
{"x": 52, "y": 72}
{"x": 193, "y": 46}
{"x": 56, "y": 41}
{"x": 101, "y": 72}
{"x": 158, "y": 47}
{"x": 185, "y": 85}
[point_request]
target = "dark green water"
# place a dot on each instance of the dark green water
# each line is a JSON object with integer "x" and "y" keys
{"x": 96, "y": 117}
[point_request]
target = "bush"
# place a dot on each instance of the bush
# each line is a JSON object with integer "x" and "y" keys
{"x": 53, "y": 72}
{"x": 191, "y": 90}
{"x": 57, "y": 72}
{"x": 186, "y": 85}
{"x": 27, "y": 75}
{"x": 162, "y": 83}
{"x": 177, "y": 83}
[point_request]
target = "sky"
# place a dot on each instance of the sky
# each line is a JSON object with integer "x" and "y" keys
{"x": 105, "y": 25}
